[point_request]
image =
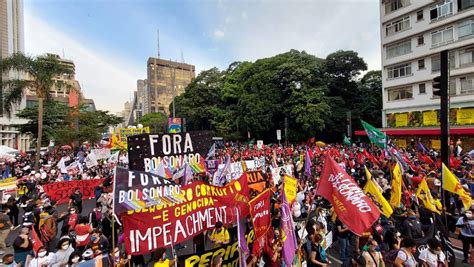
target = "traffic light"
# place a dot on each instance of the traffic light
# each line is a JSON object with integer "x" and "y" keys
{"x": 437, "y": 86}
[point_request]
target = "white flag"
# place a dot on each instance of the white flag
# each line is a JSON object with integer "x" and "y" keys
{"x": 91, "y": 160}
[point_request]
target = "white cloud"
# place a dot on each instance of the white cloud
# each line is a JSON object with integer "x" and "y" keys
{"x": 103, "y": 77}
{"x": 218, "y": 34}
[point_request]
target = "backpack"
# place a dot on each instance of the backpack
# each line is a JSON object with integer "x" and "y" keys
{"x": 390, "y": 257}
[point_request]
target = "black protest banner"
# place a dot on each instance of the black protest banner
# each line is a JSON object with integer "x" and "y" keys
{"x": 146, "y": 151}
{"x": 136, "y": 190}
{"x": 229, "y": 254}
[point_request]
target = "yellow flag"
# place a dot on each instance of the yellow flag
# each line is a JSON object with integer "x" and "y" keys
{"x": 369, "y": 177}
{"x": 424, "y": 194}
{"x": 290, "y": 187}
{"x": 396, "y": 196}
{"x": 373, "y": 192}
{"x": 452, "y": 184}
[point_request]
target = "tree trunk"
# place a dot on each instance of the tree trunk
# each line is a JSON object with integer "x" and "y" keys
{"x": 40, "y": 133}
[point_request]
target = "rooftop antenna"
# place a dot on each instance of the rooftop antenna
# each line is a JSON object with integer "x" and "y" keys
{"x": 182, "y": 56}
{"x": 158, "y": 40}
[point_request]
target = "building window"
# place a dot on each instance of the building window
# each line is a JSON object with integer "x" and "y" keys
{"x": 467, "y": 85}
{"x": 435, "y": 64}
{"x": 421, "y": 40}
{"x": 400, "y": 93}
{"x": 465, "y": 4}
{"x": 419, "y": 15}
{"x": 399, "y": 71}
{"x": 466, "y": 28}
{"x": 442, "y": 36}
{"x": 422, "y": 88}
{"x": 442, "y": 9}
{"x": 397, "y": 26}
{"x": 452, "y": 87}
{"x": 421, "y": 64}
{"x": 394, "y": 5}
{"x": 399, "y": 49}
{"x": 466, "y": 57}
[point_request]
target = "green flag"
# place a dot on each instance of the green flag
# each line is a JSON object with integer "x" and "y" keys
{"x": 346, "y": 141}
{"x": 375, "y": 135}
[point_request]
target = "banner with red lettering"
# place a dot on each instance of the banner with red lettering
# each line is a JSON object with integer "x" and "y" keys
{"x": 62, "y": 191}
{"x": 202, "y": 207}
{"x": 348, "y": 200}
{"x": 260, "y": 212}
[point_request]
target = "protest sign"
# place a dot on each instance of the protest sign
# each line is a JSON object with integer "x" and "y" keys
{"x": 8, "y": 183}
{"x": 61, "y": 191}
{"x": 255, "y": 165}
{"x": 102, "y": 153}
{"x": 290, "y": 186}
{"x": 234, "y": 171}
{"x": 134, "y": 190}
{"x": 279, "y": 171}
{"x": 256, "y": 180}
{"x": 174, "y": 125}
{"x": 203, "y": 206}
{"x": 260, "y": 212}
{"x": 211, "y": 166}
{"x": 229, "y": 254}
{"x": 346, "y": 197}
{"x": 146, "y": 151}
{"x": 91, "y": 160}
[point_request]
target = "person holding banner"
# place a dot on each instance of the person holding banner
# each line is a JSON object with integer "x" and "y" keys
{"x": 161, "y": 260}
{"x": 219, "y": 236}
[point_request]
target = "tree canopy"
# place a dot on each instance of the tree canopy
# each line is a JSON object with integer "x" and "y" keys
{"x": 313, "y": 94}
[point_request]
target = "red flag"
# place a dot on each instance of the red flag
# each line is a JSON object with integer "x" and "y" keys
{"x": 348, "y": 200}
{"x": 360, "y": 159}
{"x": 36, "y": 241}
{"x": 453, "y": 162}
{"x": 259, "y": 209}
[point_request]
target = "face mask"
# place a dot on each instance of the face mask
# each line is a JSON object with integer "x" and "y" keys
{"x": 65, "y": 247}
{"x": 412, "y": 217}
{"x": 73, "y": 211}
{"x": 164, "y": 256}
{"x": 93, "y": 238}
{"x": 75, "y": 260}
{"x": 117, "y": 254}
{"x": 42, "y": 254}
{"x": 377, "y": 248}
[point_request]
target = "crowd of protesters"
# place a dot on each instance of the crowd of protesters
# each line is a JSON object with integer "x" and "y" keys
{"x": 74, "y": 236}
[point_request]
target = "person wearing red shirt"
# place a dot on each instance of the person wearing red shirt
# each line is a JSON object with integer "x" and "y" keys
{"x": 83, "y": 230}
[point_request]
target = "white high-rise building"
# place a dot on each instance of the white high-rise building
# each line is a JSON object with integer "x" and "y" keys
{"x": 11, "y": 41}
{"x": 413, "y": 33}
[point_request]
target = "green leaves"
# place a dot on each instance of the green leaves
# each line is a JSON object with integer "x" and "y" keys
{"x": 313, "y": 94}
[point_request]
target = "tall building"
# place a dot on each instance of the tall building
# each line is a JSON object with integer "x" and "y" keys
{"x": 165, "y": 80}
{"x": 11, "y": 41}
{"x": 413, "y": 33}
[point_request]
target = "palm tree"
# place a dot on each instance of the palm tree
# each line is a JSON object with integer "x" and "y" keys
{"x": 37, "y": 74}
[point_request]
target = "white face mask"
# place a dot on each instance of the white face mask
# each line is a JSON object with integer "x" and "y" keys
{"x": 42, "y": 254}
{"x": 65, "y": 247}
{"x": 75, "y": 260}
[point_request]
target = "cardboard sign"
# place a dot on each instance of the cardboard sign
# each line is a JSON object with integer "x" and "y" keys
{"x": 134, "y": 190}
{"x": 146, "y": 151}
{"x": 62, "y": 191}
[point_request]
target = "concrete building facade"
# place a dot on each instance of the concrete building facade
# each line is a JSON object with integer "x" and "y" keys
{"x": 11, "y": 41}
{"x": 165, "y": 80}
{"x": 413, "y": 33}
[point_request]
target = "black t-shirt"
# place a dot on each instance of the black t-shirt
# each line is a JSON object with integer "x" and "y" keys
{"x": 316, "y": 249}
{"x": 76, "y": 199}
{"x": 345, "y": 234}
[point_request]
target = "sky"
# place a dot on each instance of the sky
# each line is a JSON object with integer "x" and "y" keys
{"x": 111, "y": 40}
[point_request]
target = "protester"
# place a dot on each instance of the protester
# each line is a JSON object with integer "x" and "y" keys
{"x": 76, "y": 200}
{"x": 42, "y": 259}
{"x": 217, "y": 261}
{"x": 466, "y": 224}
{"x": 434, "y": 255}
{"x": 83, "y": 231}
{"x": 62, "y": 254}
{"x": 318, "y": 256}
{"x": 405, "y": 256}
{"x": 23, "y": 246}
{"x": 74, "y": 259}
{"x": 219, "y": 236}
{"x": 98, "y": 243}
{"x": 9, "y": 261}
{"x": 373, "y": 257}
{"x": 5, "y": 226}
{"x": 161, "y": 260}
{"x": 13, "y": 210}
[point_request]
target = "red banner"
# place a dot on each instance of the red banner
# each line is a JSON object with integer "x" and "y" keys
{"x": 62, "y": 191}
{"x": 260, "y": 211}
{"x": 348, "y": 200}
{"x": 166, "y": 225}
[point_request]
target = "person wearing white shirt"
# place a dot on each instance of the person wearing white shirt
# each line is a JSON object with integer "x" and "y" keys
{"x": 42, "y": 259}
{"x": 434, "y": 255}
{"x": 466, "y": 224}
